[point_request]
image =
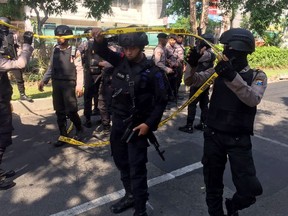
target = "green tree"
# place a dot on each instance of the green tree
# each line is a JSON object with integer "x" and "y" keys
{"x": 264, "y": 13}
{"x": 95, "y": 9}
{"x": 230, "y": 8}
{"x": 12, "y": 9}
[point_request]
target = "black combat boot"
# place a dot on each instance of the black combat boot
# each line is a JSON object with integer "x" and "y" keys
{"x": 25, "y": 97}
{"x": 200, "y": 126}
{"x": 140, "y": 209}
{"x": 7, "y": 174}
{"x": 186, "y": 128}
{"x": 79, "y": 134}
{"x": 231, "y": 211}
{"x": 6, "y": 183}
{"x": 123, "y": 204}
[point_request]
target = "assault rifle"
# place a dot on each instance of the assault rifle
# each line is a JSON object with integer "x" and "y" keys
{"x": 129, "y": 133}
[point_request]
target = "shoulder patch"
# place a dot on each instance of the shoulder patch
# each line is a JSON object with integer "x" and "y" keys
{"x": 259, "y": 82}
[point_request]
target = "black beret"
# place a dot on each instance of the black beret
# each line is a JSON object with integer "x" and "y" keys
{"x": 162, "y": 35}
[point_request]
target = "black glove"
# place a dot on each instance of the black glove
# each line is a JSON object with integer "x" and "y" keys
{"x": 28, "y": 37}
{"x": 193, "y": 56}
{"x": 225, "y": 70}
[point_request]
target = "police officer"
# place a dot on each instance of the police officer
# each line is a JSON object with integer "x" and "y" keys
{"x": 138, "y": 101}
{"x": 95, "y": 88}
{"x": 90, "y": 79}
{"x": 206, "y": 61}
{"x": 236, "y": 93}
{"x": 159, "y": 54}
{"x": 66, "y": 72}
{"x": 174, "y": 62}
{"x": 9, "y": 50}
{"x": 5, "y": 98}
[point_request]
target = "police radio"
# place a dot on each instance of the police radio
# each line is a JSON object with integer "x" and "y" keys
{"x": 73, "y": 51}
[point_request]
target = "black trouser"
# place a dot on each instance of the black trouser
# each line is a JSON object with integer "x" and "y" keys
{"x": 65, "y": 103}
{"x": 131, "y": 160}
{"x": 173, "y": 88}
{"x": 238, "y": 148}
{"x": 6, "y": 127}
{"x": 91, "y": 85}
{"x": 179, "y": 77}
{"x": 203, "y": 100}
{"x": 94, "y": 87}
{"x": 19, "y": 80}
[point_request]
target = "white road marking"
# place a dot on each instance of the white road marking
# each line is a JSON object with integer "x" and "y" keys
{"x": 271, "y": 140}
{"x": 118, "y": 194}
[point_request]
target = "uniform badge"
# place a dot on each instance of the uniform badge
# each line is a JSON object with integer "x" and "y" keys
{"x": 259, "y": 82}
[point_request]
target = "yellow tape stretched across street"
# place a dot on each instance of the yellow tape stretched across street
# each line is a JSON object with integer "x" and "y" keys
{"x": 116, "y": 31}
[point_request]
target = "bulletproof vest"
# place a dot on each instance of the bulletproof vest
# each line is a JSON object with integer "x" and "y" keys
{"x": 227, "y": 113}
{"x": 139, "y": 76}
{"x": 8, "y": 50}
{"x": 63, "y": 65}
{"x": 92, "y": 60}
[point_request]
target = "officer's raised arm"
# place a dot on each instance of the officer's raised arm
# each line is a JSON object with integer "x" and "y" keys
{"x": 100, "y": 47}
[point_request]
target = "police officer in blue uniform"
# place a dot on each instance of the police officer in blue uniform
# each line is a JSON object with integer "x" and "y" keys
{"x": 139, "y": 101}
{"x": 6, "y": 127}
{"x": 233, "y": 106}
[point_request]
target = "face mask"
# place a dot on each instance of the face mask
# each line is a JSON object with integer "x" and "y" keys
{"x": 238, "y": 59}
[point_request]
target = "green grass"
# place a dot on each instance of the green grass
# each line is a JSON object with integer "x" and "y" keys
{"x": 32, "y": 87}
{"x": 275, "y": 73}
{"x": 31, "y": 90}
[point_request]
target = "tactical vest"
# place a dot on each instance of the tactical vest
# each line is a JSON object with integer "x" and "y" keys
{"x": 227, "y": 113}
{"x": 126, "y": 76}
{"x": 92, "y": 60}
{"x": 63, "y": 65}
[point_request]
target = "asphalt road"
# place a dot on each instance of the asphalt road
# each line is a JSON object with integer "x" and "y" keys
{"x": 84, "y": 181}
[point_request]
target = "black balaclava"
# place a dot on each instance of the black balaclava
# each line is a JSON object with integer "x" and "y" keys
{"x": 238, "y": 59}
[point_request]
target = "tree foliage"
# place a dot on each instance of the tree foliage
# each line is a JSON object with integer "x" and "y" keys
{"x": 12, "y": 9}
{"x": 264, "y": 13}
{"x": 95, "y": 8}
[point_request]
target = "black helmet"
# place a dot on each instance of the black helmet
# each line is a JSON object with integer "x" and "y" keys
{"x": 239, "y": 39}
{"x": 3, "y": 28}
{"x": 133, "y": 39}
{"x": 87, "y": 30}
{"x": 63, "y": 30}
{"x": 209, "y": 37}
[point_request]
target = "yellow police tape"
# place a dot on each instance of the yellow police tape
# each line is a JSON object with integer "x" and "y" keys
{"x": 126, "y": 30}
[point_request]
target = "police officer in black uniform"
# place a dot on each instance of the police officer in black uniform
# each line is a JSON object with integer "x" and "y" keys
{"x": 138, "y": 101}
{"x": 206, "y": 61}
{"x": 6, "y": 127}
{"x": 233, "y": 105}
{"x": 66, "y": 72}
